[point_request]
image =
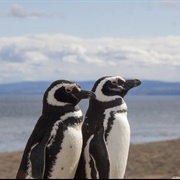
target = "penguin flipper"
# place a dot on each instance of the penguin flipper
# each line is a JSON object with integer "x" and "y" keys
{"x": 37, "y": 158}
{"x": 99, "y": 155}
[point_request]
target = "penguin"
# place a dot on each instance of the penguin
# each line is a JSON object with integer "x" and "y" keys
{"x": 54, "y": 146}
{"x": 106, "y": 131}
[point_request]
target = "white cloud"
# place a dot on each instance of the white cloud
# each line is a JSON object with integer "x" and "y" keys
{"x": 18, "y": 11}
{"x": 50, "y": 57}
{"x": 70, "y": 59}
{"x": 35, "y": 58}
{"x": 169, "y": 4}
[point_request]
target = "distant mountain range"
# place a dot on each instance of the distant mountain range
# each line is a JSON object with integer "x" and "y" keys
{"x": 146, "y": 88}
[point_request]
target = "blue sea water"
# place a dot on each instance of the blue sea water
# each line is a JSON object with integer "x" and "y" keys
{"x": 151, "y": 118}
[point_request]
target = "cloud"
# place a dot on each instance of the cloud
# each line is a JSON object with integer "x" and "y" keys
{"x": 19, "y": 11}
{"x": 59, "y": 56}
{"x": 169, "y": 4}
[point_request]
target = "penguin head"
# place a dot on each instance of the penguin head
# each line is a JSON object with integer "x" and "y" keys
{"x": 65, "y": 93}
{"x": 112, "y": 87}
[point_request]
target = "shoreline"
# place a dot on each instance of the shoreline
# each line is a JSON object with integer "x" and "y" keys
{"x": 154, "y": 160}
{"x": 146, "y": 160}
{"x": 131, "y": 144}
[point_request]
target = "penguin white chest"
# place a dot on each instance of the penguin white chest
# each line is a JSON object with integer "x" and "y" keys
{"x": 118, "y": 142}
{"x": 67, "y": 159}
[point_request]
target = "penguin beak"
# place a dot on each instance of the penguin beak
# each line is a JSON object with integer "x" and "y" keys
{"x": 128, "y": 84}
{"x": 85, "y": 94}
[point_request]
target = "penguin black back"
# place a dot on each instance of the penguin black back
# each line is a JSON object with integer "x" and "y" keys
{"x": 53, "y": 148}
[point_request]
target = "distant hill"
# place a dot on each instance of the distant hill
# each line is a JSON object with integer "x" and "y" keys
{"x": 157, "y": 88}
{"x": 146, "y": 88}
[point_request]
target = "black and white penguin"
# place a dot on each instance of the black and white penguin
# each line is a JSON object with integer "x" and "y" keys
{"x": 54, "y": 147}
{"x": 106, "y": 131}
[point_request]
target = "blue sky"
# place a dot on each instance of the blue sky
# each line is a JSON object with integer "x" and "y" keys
{"x": 84, "y": 40}
{"x": 91, "y": 19}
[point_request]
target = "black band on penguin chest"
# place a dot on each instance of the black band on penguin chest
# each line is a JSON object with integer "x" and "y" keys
{"x": 73, "y": 121}
{"x": 57, "y": 140}
{"x": 109, "y": 124}
{"x": 111, "y": 120}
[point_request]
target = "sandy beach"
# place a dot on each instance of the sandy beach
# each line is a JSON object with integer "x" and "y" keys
{"x": 150, "y": 160}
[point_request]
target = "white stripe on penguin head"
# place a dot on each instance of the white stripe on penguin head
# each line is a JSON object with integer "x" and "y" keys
{"x": 99, "y": 94}
{"x": 52, "y": 100}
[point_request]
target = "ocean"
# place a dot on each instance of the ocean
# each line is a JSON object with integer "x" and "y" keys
{"x": 151, "y": 118}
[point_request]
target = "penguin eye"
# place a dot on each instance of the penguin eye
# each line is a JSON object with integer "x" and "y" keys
{"x": 114, "y": 82}
{"x": 68, "y": 90}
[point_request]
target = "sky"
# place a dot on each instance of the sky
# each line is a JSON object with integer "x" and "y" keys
{"x": 85, "y": 40}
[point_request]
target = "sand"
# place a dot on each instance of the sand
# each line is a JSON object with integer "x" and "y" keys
{"x": 150, "y": 160}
